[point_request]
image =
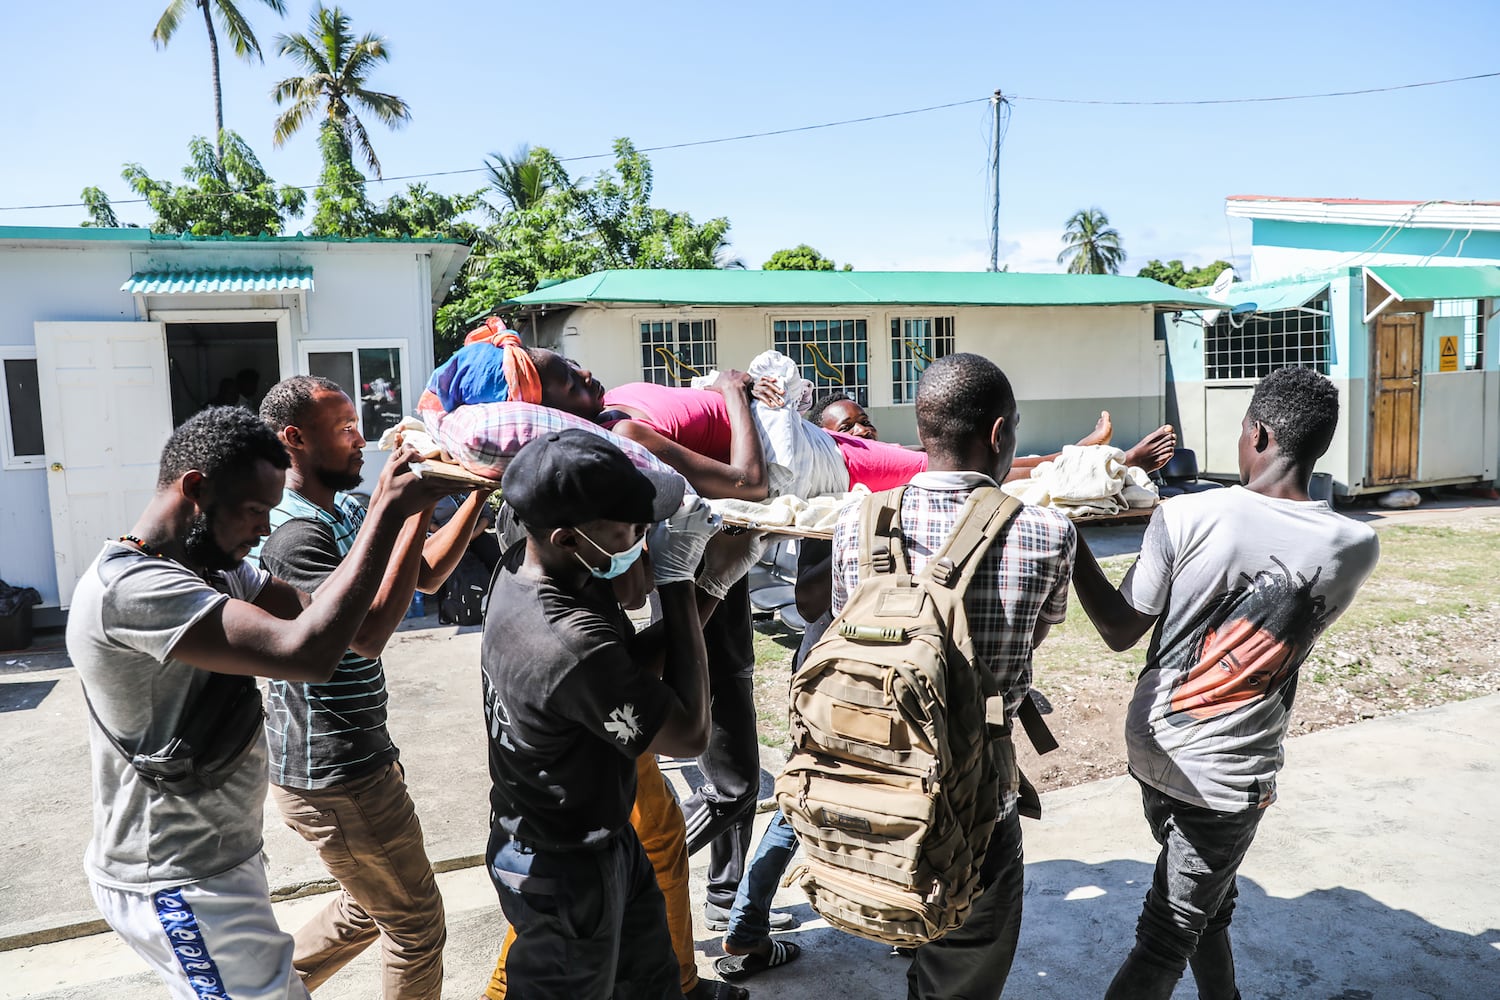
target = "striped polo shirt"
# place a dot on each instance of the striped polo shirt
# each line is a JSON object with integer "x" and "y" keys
{"x": 320, "y": 735}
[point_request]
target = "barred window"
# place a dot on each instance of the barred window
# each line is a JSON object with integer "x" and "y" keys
{"x": 673, "y": 352}
{"x": 1473, "y": 313}
{"x": 831, "y": 353}
{"x": 1290, "y": 338}
{"x": 915, "y": 344}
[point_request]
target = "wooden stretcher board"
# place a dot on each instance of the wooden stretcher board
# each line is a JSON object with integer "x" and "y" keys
{"x": 788, "y": 530}
{"x": 451, "y": 472}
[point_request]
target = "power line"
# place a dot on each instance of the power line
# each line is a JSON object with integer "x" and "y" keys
{"x": 1261, "y": 100}
{"x": 847, "y": 121}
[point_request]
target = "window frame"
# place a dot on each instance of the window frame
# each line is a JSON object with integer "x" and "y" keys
{"x": 353, "y": 347}
{"x": 899, "y": 386}
{"x": 9, "y": 460}
{"x": 641, "y": 319}
{"x": 1322, "y": 355}
{"x": 815, "y": 316}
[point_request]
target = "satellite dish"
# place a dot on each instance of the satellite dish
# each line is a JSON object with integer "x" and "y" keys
{"x": 1216, "y": 291}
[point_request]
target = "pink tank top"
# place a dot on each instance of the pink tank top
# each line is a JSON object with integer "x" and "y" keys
{"x": 694, "y": 418}
{"x": 876, "y": 464}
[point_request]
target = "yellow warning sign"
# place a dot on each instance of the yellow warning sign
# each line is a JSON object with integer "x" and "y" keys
{"x": 1448, "y": 354}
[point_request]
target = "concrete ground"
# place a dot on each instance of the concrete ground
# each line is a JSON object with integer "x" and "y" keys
{"x": 1373, "y": 877}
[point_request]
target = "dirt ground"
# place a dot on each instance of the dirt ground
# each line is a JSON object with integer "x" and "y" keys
{"x": 1425, "y": 632}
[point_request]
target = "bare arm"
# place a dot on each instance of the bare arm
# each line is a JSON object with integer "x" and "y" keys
{"x": 709, "y": 478}
{"x": 1120, "y": 625}
{"x": 684, "y": 733}
{"x": 447, "y": 545}
{"x": 243, "y": 638}
{"x": 393, "y": 597}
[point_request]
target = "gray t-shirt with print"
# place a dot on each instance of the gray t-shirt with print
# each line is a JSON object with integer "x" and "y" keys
{"x": 128, "y": 613}
{"x": 1244, "y": 584}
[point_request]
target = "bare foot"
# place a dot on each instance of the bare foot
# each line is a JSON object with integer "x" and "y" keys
{"x": 1103, "y": 430}
{"x": 1154, "y": 450}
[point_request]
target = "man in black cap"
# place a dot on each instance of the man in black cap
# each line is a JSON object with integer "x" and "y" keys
{"x": 572, "y": 696}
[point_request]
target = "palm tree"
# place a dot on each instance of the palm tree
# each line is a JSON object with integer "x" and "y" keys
{"x": 523, "y": 178}
{"x": 337, "y": 67}
{"x": 234, "y": 25}
{"x": 1090, "y": 245}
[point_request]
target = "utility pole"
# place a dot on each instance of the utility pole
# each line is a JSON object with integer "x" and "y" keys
{"x": 995, "y": 104}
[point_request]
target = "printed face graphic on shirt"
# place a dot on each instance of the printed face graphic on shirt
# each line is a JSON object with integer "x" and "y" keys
{"x": 623, "y": 725}
{"x": 1248, "y": 644}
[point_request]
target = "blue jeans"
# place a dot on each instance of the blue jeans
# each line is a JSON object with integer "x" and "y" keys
{"x": 1185, "y": 919}
{"x": 750, "y": 918}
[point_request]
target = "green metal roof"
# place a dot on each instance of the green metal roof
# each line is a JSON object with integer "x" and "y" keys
{"x": 1423, "y": 283}
{"x": 1275, "y": 296}
{"x": 219, "y": 280}
{"x": 131, "y": 234}
{"x": 859, "y": 288}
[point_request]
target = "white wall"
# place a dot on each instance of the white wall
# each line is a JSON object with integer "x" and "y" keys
{"x": 362, "y": 291}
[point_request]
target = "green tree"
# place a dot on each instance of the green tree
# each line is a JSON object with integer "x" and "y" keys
{"x": 1090, "y": 245}
{"x": 1174, "y": 273}
{"x": 226, "y": 194}
{"x": 241, "y": 38}
{"x": 337, "y": 68}
{"x": 801, "y": 258}
{"x": 101, "y": 212}
{"x": 551, "y": 228}
{"x": 342, "y": 208}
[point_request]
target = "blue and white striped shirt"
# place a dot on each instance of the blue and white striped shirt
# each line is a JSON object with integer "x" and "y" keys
{"x": 321, "y": 735}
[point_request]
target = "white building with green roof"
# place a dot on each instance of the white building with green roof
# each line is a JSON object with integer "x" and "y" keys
{"x": 1072, "y": 345}
{"x": 109, "y": 338}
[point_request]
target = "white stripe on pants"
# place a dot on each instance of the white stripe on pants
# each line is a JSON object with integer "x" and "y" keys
{"x": 213, "y": 939}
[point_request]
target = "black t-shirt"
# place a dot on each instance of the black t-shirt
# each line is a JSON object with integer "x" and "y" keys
{"x": 567, "y": 710}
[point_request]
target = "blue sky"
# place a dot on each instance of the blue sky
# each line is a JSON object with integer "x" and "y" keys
{"x": 89, "y": 93}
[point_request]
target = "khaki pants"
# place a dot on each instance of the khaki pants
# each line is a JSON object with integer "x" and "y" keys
{"x": 367, "y": 835}
{"x": 658, "y": 823}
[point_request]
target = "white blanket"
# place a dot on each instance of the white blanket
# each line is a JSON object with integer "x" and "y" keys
{"x": 1086, "y": 479}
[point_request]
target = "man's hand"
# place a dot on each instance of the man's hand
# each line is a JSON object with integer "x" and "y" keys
{"x": 676, "y": 544}
{"x": 732, "y": 381}
{"x": 768, "y": 391}
{"x": 404, "y": 490}
{"x": 727, "y": 559}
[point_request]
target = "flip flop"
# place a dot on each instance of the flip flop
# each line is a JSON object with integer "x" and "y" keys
{"x": 712, "y": 989}
{"x": 733, "y": 967}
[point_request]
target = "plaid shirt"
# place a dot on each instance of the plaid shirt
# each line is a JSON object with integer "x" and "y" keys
{"x": 484, "y": 437}
{"x": 1022, "y": 580}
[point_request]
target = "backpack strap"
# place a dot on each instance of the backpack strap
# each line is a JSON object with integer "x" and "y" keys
{"x": 984, "y": 520}
{"x": 880, "y": 545}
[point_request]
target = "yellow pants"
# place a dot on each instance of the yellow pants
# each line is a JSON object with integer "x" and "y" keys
{"x": 659, "y": 824}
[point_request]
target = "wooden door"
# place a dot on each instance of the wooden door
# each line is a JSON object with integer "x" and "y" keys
{"x": 108, "y": 411}
{"x": 1396, "y": 399}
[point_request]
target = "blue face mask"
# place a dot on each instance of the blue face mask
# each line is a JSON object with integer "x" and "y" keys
{"x": 619, "y": 562}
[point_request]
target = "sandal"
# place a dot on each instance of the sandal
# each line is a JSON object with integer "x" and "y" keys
{"x": 733, "y": 967}
{"x": 712, "y": 989}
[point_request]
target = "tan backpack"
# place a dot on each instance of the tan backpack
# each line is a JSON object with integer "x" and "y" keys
{"x": 900, "y": 741}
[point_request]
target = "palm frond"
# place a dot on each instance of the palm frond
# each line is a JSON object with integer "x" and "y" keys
{"x": 390, "y": 109}
{"x": 241, "y": 36}
{"x": 361, "y": 140}
{"x": 166, "y": 25}
{"x": 290, "y": 121}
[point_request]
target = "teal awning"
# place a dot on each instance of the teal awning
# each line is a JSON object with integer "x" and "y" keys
{"x": 1276, "y": 296}
{"x": 861, "y": 288}
{"x": 220, "y": 281}
{"x": 1385, "y": 286}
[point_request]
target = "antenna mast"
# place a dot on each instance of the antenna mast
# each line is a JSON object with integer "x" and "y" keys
{"x": 996, "y": 102}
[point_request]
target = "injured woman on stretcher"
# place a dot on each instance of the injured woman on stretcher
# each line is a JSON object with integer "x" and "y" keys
{"x": 742, "y": 437}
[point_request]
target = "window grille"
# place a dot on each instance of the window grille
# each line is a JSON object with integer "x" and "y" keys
{"x": 1473, "y": 313}
{"x": 915, "y": 344}
{"x": 1290, "y": 338}
{"x": 673, "y": 352}
{"x": 831, "y": 353}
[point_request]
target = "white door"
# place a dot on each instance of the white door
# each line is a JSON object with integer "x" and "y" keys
{"x": 107, "y": 411}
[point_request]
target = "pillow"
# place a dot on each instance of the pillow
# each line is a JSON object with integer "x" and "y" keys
{"x": 484, "y": 437}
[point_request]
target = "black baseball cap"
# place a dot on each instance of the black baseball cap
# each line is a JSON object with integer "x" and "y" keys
{"x": 572, "y": 476}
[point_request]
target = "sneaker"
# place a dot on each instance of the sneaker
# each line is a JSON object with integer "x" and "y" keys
{"x": 717, "y": 918}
